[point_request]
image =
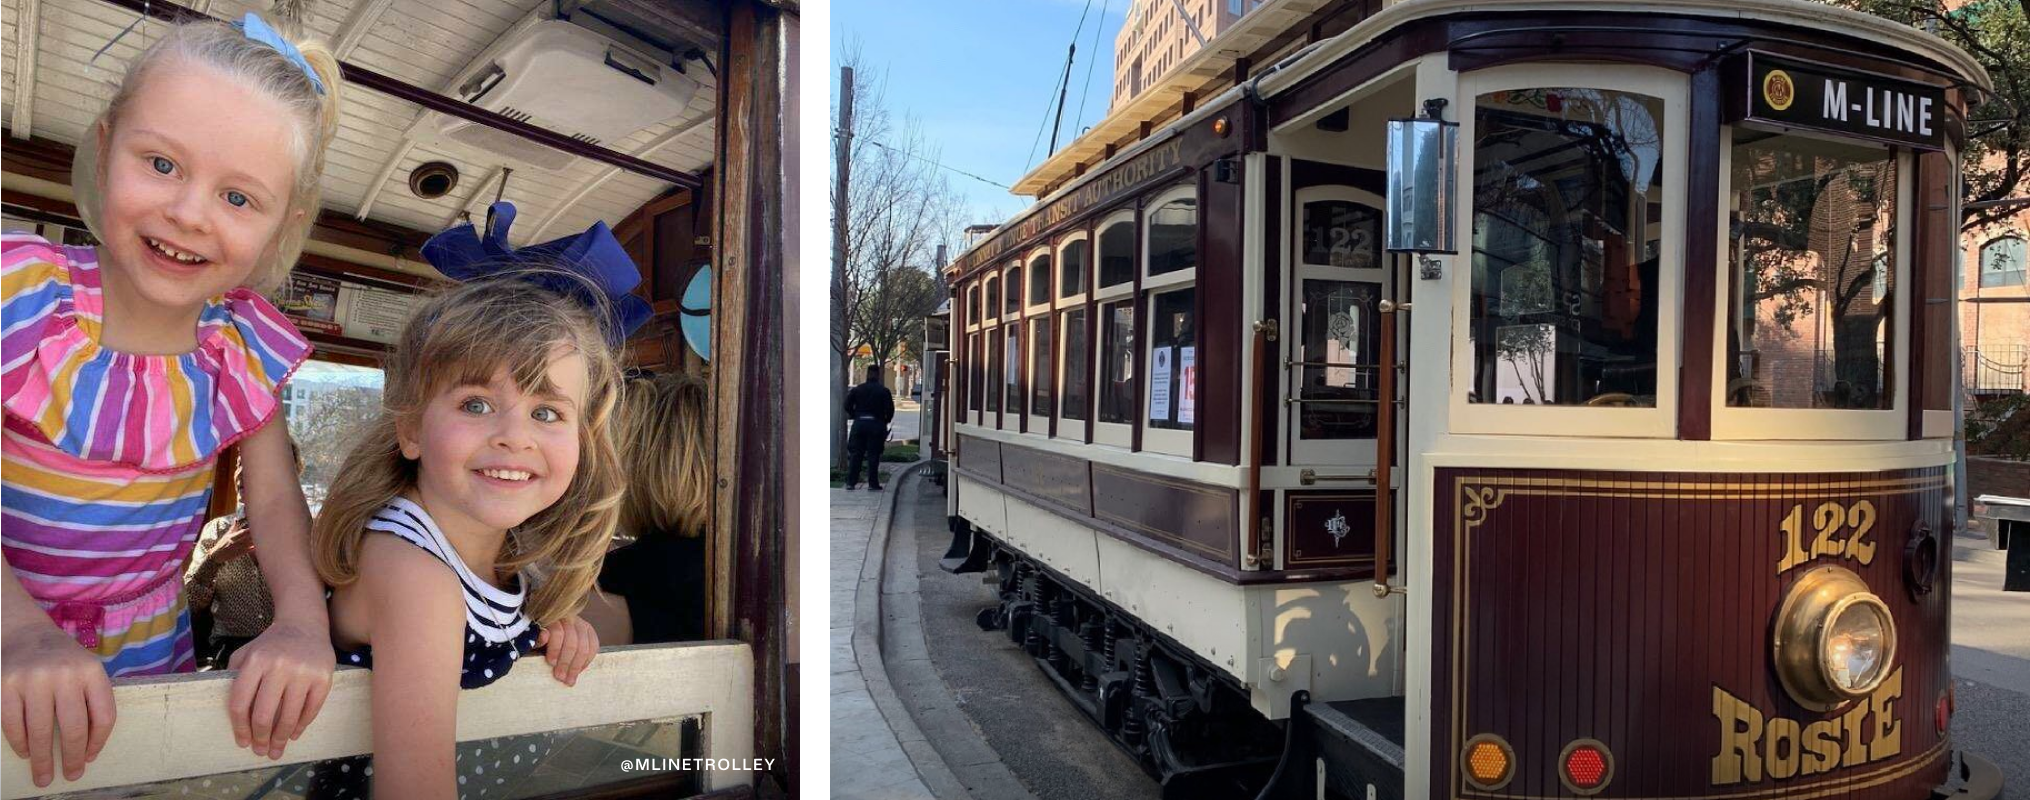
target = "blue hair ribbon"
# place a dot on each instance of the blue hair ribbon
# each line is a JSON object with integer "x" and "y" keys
{"x": 463, "y": 255}
{"x": 254, "y": 28}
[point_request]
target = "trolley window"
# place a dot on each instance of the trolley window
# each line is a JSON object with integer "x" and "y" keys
{"x": 1568, "y": 205}
{"x": 993, "y": 295}
{"x": 1118, "y": 386}
{"x": 1041, "y": 400}
{"x": 1072, "y": 354}
{"x": 1011, "y": 364}
{"x": 1565, "y": 307}
{"x": 1117, "y": 362}
{"x": 993, "y": 390}
{"x": 1039, "y": 280}
{"x": 1812, "y": 321}
{"x": 1014, "y": 297}
{"x": 1117, "y": 253}
{"x": 1171, "y": 394}
{"x": 1075, "y": 351}
{"x": 1071, "y": 269}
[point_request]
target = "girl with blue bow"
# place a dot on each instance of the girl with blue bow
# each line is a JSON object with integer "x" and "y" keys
{"x": 467, "y": 526}
{"x": 130, "y": 366}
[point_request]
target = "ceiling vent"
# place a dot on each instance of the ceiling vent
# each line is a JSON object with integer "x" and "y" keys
{"x": 564, "y": 78}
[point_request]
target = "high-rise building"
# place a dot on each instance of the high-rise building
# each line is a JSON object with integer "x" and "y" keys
{"x": 1159, "y": 34}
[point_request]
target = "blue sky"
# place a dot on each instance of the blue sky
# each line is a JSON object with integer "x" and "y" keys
{"x": 977, "y": 75}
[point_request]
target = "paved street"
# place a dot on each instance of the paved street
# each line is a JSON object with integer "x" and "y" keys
{"x": 1991, "y": 662}
{"x": 868, "y": 761}
{"x": 1012, "y": 721}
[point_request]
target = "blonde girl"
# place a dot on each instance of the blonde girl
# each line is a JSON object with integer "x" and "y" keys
{"x": 129, "y": 366}
{"x": 653, "y": 588}
{"x": 467, "y": 526}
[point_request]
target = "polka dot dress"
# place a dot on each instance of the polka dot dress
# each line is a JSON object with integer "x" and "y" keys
{"x": 486, "y": 769}
{"x": 496, "y": 633}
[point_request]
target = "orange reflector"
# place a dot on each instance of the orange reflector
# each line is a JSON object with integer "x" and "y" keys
{"x": 1586, "y": 766}
{"x": 1943, "y": 714}
{"x": 1488, "y": 762}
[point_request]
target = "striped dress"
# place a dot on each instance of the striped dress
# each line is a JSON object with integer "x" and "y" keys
{"x": 109, "y": 456}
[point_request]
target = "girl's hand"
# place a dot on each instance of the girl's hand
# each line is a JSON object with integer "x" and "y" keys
{"x": 53, "y": 692}
{"x": 568, "y": 645}
{"x": 285, "y": 674}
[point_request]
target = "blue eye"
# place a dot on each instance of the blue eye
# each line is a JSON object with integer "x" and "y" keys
{"x": 162, "y": 165}
{"x": 237, "y": 199}
{"x": 547, "y": 414}
{"x": 474, "y": 405}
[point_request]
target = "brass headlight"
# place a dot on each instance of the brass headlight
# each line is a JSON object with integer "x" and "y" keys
{"x": 1834, "y": 639}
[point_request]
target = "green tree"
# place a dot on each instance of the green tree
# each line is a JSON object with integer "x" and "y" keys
{"x": 1995, "y": 32}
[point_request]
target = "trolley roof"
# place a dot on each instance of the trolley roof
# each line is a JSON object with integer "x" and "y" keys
{"x": 1273, "y": 34}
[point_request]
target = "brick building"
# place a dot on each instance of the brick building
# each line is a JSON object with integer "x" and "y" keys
{"x": 1995, "y": 308}
{"x": 1159, "y": 34}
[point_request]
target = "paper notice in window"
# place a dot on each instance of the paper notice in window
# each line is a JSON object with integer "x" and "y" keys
{"x": 1187, "y": 406}
{"x": 376, "y": 315}
{"x": 1159, "y": 383}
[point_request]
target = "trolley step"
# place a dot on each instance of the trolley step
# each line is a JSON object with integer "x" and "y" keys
{"x": 1361, "y": 744}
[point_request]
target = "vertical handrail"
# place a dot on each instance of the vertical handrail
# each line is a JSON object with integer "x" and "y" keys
{"x": 1251, "y": 540}
{"x": 1385, "y": 449}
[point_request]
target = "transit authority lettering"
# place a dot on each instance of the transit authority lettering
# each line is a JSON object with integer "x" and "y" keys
{"x": 1898, "y": 112}
{"x": 1751, "y": 746}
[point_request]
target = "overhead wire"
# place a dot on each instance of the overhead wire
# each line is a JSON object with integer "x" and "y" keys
{"x": 1078, "y": 124}
{"x": 934, "y": 163}
{"x": 1062, "y": 76}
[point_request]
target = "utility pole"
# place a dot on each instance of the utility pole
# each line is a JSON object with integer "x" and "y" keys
{"x": 842, "y": 163}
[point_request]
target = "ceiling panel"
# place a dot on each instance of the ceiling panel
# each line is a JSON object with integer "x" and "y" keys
{"x": 423, "y": 43}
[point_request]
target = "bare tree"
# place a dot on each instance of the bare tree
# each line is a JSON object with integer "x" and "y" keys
{"x": 328, "y": 425}
{"x": 900, "y": 207}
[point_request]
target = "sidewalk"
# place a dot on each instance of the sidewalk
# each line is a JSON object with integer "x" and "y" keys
{"x": 868, "y": 762}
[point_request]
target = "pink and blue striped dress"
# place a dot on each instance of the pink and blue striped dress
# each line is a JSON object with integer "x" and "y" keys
{"x": 108, "y": 456}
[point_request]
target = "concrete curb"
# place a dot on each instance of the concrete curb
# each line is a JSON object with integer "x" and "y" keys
{"x": 930, "y": 766}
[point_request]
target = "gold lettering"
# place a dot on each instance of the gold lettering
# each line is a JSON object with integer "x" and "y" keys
{"x": 1888, "y": 733}
{"x": 1790, "y": 748}
{"x": 1857, "y": 754}
{"x": 1781, "y": 747}
{"x": 1740, "y": 727}
{"x": 1822, "y": 746}
{"x": 1793, "y": 540}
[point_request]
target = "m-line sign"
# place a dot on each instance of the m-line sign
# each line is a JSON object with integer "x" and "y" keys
{"x": 1804, "y": 95}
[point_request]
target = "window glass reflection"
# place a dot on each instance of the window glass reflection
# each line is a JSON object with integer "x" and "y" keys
{"x": 1117, "y": 362}
{"x": 1341, "y": 340}
{"x": 1117, "y": 254}
{"x": 1568, "y": 216}
{"x": 1076, "y": 357}
{"x": 1173, "y": 360}
{"x": 1812, "y": 241}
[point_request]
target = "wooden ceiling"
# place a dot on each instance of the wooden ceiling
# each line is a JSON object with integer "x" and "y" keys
{"x": 51, "y": 88}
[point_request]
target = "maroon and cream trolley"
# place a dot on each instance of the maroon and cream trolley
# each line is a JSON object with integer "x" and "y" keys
{"x": 1489, "y": 400}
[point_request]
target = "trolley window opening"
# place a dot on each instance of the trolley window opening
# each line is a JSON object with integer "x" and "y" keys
{"x": 1812, "y": 252}
{"x": 1171, "y": 269}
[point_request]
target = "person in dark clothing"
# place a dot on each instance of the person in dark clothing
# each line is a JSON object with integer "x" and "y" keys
{"x": 653, "y": 589}
{"x": 870, "y": 408}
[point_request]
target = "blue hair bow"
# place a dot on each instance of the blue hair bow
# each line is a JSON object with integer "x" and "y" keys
{"x": 254, "y": 28}
{"x": 462, "y": 255}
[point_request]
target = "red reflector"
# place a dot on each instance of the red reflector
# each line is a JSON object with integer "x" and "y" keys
{"x": 1944, "y": 713}
{"x": 1586, "y": 766}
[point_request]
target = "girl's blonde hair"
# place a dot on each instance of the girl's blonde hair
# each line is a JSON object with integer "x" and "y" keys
{"x": 222, "y": 47}
{"x": 467, "y": 335}
{"x": 661, "y": 429}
